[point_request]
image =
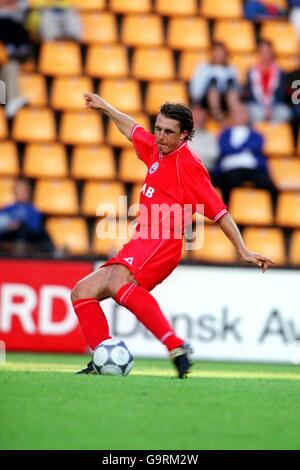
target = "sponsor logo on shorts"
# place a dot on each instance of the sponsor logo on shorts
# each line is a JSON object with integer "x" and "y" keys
{"x": 153, "y": 168}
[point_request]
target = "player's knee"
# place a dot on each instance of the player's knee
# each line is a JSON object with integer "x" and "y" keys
{"x": 118, "y": 277}
{"x": 81, "y": 291}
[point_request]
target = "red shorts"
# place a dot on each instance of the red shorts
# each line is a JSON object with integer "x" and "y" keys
{"x": 150, "y": 261}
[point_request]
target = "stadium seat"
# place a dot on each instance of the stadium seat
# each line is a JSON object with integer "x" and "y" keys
{"x": 132, "y": 170}
{"x": 278, "y": 138}
{"x": 34, "y": 125}
{"x": 251, "y": 206}
{"x": 69, "y": 234}
{"x": 285, "y": 173}
{"x": 216, "y": 247}
{"x": 60, "y": 58}
{"x": 130, "y": 6}
{"x": 288, "y": 63}
{"x": 84, "y": 127}
{"x": 45, "y": 161}
{"x": 124, "y": 94}
{"x": 188, "y": 33}
{"x": 93, "y": 162}
{"x": 153, "y": 64}
{"x": 95, "y": 194}
{"x": 56, "y": 196}
{"x": 67, "y": 92}
{"x": 142, "y": 30}
{"x": 159, "y": 92}
{"x": 294, "y": 252}
{"x": 237, "y": 35}
{"x": 189, "y": 60}
{"x": 9, "y": 164}
{"x": 6, "y": 191}
{"x": 135, "y": 193}
{"x": 282, "y": 35}
{"x": 117, "y": 139}
{"x": 288, "y": 209}
{"x": 242, "y": 64}
{"x": 99, "y": 27}
{"x": 218, "y": 9}
{"x": 269, "y": 241}
{"x": 176, "y": 7}
{"x": 3, "y": 53}
{"x": 94, "y": 5}
{"x": 107, "y": 61}
{"x": 3, "y": 124}
{"x": 33, "y": 88}
{"x": 109, "y": 236}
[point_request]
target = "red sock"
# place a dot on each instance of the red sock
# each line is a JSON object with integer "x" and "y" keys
{"x": 92, "y": 321}
{"x": 146, "y": 309}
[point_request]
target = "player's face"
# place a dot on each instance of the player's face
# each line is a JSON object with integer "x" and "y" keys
{"x": 168, "y": 134}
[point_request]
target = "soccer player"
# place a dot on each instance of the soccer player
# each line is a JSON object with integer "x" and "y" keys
{"x": 176, "y": 178}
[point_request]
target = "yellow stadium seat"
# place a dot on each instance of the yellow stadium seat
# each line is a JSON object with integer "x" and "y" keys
{"x": 278, "y": 138}
{"x": 130, "y": 6}
{"x": 99, "y": 27}
{"x": 218, "y": 9}
{"x": 285, "y": 173}
{"x": 109, "y": 236}
{"x": 3, "y": 124}
{"x": 242, "y": 64}
{"x": 9, "y": 164}
{"x": 176, "y": 7}
{"x": 93, "y": 162}
{"x": 81, "y": 127}
{"x": 3, "y": 53}
{"x": 56, "y": 196}
{"x": 93, "y": 5}
{"x": 132, "y": 170}
{"x": 188, "y": 33}
{"x": 117, "y": 139}
{"x": 153, "y": 64}
{"x": 268, "y": 241}
{"x": 107, "y": 61}
{"x": 216, "y": 247}
{"x": 135, "y": 193}
{"x": 288, "y": 63}
{"x": 7, "y": 196}
{"x": 188, "y": 62}
{"x": 60, "y": 58}
{"x": 237, "y": 35}
{"x": 124, "y": 94}
{"x": 160, "y": 92}
{"x": 288, "y": 209}
{"x": 67, "y": 92}
{"x": 294, "y": 252}
{"x": 33, "y": 87}
{"x": 29, "y": 66}
{"x": 45, "y": 161}
{"x": 282, "y": 35}
{"x": 100, "y": 198}
{"x": 142, "y": 30}
{"x": 34, "y": 125}
{"x": 69, "y": 234}
{"x": 251, "y": 206}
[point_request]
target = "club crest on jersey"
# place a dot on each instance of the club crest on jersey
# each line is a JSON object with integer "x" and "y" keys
{"x": 153, "y": 168}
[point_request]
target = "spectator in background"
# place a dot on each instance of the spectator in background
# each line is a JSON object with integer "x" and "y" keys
{"x": 265, "y": 88}
{"x": 257, "y": 10}
{"x": 21, "y": 222}
{"x": 242, "y": 159}
{"x": 294, "y": 17}
{"x": 204, "y": 144}
{"x": 15, "y": 38}
{"x": 214, "y": 86}
{"x": 292, "y": 88}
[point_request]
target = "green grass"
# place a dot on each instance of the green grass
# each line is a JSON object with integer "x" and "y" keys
{"x": 43, "y": 405}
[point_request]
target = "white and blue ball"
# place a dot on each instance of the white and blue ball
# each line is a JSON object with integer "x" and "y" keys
{"x": 112, "y": 357}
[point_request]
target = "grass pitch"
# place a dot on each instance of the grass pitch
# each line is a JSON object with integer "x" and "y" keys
{"x": 43, "y": 405}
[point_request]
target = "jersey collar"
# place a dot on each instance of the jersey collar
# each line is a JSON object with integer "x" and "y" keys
{"x": 184, "y": 144}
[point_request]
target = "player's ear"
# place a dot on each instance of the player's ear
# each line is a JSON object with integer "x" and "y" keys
{"x": 184, "y": 135}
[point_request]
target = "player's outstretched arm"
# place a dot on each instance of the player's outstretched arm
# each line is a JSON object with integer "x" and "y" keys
{"x": 231, "y": 230}
{"x": 124, "y": 123}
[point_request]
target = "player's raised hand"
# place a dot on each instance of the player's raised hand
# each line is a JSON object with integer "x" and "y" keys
{"x": 249, "y": 257}
{"x": 93, "y": 101}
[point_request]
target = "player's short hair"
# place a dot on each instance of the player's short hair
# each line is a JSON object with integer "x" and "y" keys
{"x": 181, "y": 113}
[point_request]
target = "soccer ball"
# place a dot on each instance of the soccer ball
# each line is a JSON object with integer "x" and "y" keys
{"x": 112, "y": 357}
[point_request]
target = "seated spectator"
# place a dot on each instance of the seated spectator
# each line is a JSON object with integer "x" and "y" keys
{"x": 265, "y": 88}
{"x": 257, "y": 10}
{"x": 214, "y": 86}
{"x": 294, "y": 17}
{"x": 292, "y": 88}
{"x": 21, "y": 222}
{"x": 242, "y": 159}
{"x": 204, "y": 143}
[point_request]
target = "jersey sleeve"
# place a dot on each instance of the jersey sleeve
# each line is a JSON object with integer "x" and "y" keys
{"x": 198, "y": 190}
{"x": 143, "y": 143}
